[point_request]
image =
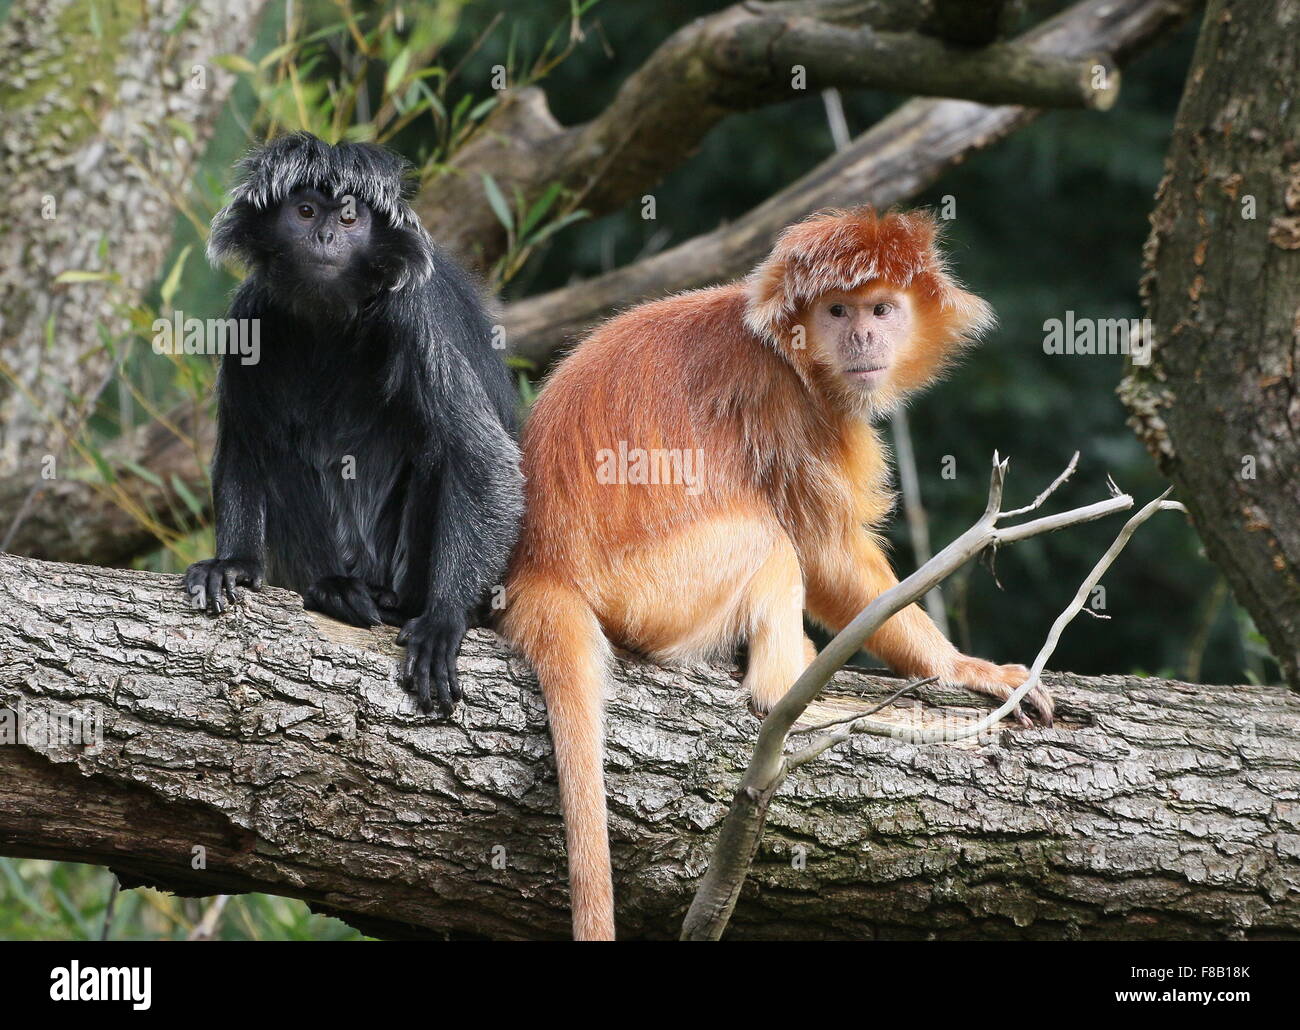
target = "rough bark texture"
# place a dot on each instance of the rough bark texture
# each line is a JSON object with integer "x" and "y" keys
{"x": 86, "y": 98}
{"x": 281, "y": 744}
{"x": 1219, "y": 404}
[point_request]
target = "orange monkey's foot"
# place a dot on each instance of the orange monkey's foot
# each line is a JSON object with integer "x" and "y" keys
{"x": 1000, "y": 681}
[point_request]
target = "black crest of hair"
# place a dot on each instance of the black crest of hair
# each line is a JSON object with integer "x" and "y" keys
{"x": 367, "y": 460}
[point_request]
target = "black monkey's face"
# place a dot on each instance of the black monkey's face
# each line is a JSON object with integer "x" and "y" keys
{"x": 323, "y": 239}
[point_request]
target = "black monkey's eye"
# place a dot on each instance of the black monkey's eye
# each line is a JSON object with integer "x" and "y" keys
{"x": 838, "y": 311}
{"x": 347, "y": 219}
{"x": 881, "y": 310}
{"x": 306, "y": 211}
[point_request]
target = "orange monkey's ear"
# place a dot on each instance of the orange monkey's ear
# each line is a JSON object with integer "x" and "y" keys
{"x": 844, "y": 250}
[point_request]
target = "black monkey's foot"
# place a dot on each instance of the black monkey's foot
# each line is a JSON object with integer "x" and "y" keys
{"x": 213, "y": 583}
{"x": 354, "y": 601}
{"x": 432, "y": 642}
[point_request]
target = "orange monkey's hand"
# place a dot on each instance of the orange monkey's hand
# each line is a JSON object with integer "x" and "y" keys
{"x": 1000, "y": 681}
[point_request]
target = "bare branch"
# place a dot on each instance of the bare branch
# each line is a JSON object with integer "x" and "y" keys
{"x": 1066, "y": 473}
{"x": 891, "y": 162}
{"x": 745, "y": 56}
{"x": 743, "y": 826}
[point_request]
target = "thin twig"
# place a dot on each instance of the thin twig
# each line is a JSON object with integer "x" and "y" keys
{"x": 871, "y": 711}
{"x": 1038, "y": 501}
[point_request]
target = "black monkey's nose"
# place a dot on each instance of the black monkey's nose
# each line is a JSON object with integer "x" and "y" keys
{"x": 325, "y": 236}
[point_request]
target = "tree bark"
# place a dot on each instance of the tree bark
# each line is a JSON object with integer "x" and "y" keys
{"x": 1219, "y": 404}
{"x": 93, "y": 167}
{"x": 280, "y": 743}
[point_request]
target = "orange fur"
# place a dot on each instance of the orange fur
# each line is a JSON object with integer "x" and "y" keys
{"x": 792, "y": 481}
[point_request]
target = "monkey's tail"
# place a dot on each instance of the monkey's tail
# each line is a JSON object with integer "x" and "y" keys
{"x": 557, "y": 631}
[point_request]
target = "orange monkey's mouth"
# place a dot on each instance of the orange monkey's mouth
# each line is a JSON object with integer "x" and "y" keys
{"x": 864, "y": 373}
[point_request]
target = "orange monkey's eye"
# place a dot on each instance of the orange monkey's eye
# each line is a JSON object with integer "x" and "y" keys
{"x": 306, "y": 211}
{"x": 838, "y": 311}
{"x": 881, "y": 310}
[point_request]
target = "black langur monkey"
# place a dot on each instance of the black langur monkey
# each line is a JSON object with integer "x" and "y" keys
{"x": 367, "y": 460}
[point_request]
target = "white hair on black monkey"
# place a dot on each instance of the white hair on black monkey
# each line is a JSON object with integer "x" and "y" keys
{"x": 374, "y": 175}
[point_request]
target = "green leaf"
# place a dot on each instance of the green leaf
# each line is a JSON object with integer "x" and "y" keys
{"x": 557, "y": 225}
{"x": 397, "y": 72}
{"x": 283, "y": 50}
{"x": 185, "y": 495}
{"x": 173, "y": 281}
{"x": 85, "y": 277}
{"x": 498, "y": 202}
{"x": 235, "y": 63}
{"x": 142, "y": 472}
{"x": 105, "y": 469}
{"x": 435, "y": 104}
{"x": 540, "y": 207}
{"x": 182, "y": 19}
{"x": 182, "y": 129}
{"x": 483, "y": 108}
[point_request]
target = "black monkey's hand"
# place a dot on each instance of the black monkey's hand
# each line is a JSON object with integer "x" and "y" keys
{"x": 212, "y": 584}
{"x": 432, "y": 642}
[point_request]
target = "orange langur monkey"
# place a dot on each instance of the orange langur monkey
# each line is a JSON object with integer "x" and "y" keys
{"x": 703, "y": 469}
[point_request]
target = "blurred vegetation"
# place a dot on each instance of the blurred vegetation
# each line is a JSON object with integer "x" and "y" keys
{"x": 1051, "y": 220}
{"x": 62, "y": 901}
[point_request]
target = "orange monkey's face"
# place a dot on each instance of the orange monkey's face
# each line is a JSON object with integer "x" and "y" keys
{"x": 860, "y": 335}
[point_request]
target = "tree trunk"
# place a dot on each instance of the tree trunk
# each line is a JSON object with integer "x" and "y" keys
{"x": 93, "y": 165}
{"x": 280, "y": 744}
{"x": 1219, "y": 403}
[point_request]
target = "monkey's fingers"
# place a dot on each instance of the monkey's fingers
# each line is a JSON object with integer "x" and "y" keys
{"x": 1001, "y": 681}
{"x": 388, "y": 604}
{"x": 1041, "y": 702}
{"x": 196, "y": 587}
{"x": 216, "y": 600}
{"x": 358, "y": 600}
{"x": 444, "y": 671}
{"x": 229, "y": 583}
{"x": 343, "y": 598}
{"x": 415, "y": 670}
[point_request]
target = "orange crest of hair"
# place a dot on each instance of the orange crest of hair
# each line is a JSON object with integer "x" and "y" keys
{"x": 844, "y": 250}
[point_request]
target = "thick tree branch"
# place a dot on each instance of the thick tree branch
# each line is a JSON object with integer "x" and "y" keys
{"x": 1218, "y": 402}
{"x": 741, "y": 58}
{"x": 94, "y": 172}
{"x": 280, "y": 743}
{"x": 894, "y": 160}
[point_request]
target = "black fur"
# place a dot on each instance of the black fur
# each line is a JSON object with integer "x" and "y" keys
{"x": 380, "y": 364}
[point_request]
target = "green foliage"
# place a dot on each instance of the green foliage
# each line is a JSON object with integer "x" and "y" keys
{"x": 62, "y": 901}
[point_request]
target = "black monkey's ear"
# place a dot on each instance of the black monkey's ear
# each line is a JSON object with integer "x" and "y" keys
{"x": 381, "y": 179}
